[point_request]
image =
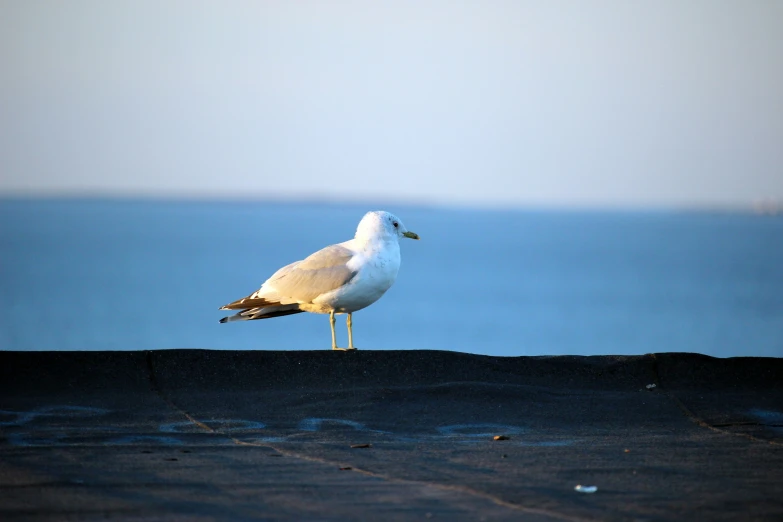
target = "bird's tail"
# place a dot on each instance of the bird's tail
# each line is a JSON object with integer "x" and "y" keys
{"x": 265, "y": 312}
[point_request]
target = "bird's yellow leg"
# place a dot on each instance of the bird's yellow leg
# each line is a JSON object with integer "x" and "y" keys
{"x": 334, "y": 336}
{"x": 349, "y": 324}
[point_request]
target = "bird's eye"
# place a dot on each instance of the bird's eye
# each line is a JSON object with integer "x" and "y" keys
{"x": 396, "y": 224}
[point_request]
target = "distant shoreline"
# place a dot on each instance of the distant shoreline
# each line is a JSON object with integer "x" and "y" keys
{"x": 763, "y": 208}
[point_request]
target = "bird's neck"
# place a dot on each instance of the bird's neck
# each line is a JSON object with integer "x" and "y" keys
{"x": 375, "y": 244}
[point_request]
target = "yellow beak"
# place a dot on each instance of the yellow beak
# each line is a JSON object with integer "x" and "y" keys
{"x": 412, "y": 235}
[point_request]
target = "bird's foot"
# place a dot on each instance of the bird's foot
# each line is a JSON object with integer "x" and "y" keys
{"x": 343, "y": 349}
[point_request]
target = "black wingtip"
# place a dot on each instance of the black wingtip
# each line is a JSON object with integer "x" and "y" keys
{"x": 224, "y": 320}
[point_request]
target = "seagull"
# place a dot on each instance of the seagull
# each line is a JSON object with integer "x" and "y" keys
{"x": 338, "y": 279}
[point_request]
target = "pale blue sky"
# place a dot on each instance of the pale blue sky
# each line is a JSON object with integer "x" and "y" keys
{"x": 586, "y": 103}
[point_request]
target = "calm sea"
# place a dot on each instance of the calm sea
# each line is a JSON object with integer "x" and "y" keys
{"x": 129, "y": 275}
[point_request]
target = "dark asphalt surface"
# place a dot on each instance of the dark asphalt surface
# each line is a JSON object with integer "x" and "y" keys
{"x": 220, "y": 435}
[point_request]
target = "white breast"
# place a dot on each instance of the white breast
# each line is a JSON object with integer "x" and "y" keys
{"x": 377, "y": 270}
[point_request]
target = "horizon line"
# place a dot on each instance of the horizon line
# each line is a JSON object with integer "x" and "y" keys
{"x": 769, "y": 206}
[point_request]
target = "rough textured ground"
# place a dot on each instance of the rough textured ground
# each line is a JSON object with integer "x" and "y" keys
{"x": 389, "y": 435}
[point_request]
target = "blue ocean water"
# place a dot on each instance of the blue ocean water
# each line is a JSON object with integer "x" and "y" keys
{"x": 127, "y": 275}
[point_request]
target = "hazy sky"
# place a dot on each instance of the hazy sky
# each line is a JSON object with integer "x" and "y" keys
{"x": 522, "y": 102}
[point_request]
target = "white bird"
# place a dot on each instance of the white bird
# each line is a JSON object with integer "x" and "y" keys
{"x": 338, "y": 279}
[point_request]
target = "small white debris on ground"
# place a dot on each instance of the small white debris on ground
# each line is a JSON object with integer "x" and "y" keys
{"x": 585, "y": 489}
{"x": 651, "y": 386}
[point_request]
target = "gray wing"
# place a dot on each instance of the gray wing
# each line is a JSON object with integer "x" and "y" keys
{"x": 315, "y": 275}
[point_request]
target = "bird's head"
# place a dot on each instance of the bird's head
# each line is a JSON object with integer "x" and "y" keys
{"x": 381, "y": 224}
